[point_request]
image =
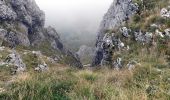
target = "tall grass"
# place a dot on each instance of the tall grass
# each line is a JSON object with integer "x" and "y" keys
{"x": 148, "y": 81}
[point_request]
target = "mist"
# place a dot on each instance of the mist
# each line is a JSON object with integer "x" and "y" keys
{"x": 75, "y": 20}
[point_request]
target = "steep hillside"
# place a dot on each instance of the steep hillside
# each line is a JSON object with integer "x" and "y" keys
{"x": 119, "y": 11}
{"x": 143, "y": 24}
{"x": 22, "y": 23}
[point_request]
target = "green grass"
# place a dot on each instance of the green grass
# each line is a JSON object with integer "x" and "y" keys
{"x": 65, "y": 83}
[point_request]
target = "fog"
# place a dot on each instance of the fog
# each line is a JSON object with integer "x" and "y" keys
{"x": 74, "y": 19}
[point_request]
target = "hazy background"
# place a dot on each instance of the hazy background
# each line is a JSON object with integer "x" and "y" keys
{"x": 75, "y": 20}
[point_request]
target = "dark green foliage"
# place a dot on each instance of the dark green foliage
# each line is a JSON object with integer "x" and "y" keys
{"x": 136, "y": 18}
{"x": 59, "y": 90}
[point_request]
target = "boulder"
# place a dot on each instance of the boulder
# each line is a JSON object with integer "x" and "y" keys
{"x": 117, "y": 64}
{"x": 143, "y": 37}
{"x": 120, "y": 44}
{"x": 165, "y": 13}
{"x": 42, "y": 67}
{"x": 158, "y": 33}
{"x": 125, "y": 31}
{"x": 15, "y": 60}
{"x": 167, "y": 32}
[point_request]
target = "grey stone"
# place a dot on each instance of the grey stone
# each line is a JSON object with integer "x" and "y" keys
{"x": 119, "y": 12}
{"x": 167, "y": 32}
{"x": 15, "y": 60}
{"x": 165, "y": 13}
{"x": 16, "y": 38}
{"x": 6, "y": 13}
{"x": 2, "y": 35}
{"x": 158, "y": 33}
{"x": 41, "y": 67}
{"x": 120, "y": 44}
{"x": 125, "y": 31}
{"x": 2, "y": 48}
{"x": 118, "y": 64}
{"x": 107, "y": 47}
{"x": 143, "y": 38}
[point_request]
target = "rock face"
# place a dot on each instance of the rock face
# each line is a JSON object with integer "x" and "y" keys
{"x": 119, "y": 12}
{"x": 22, "y": 23}
{"x": 20, "y": 19}
{"x": 15, "y": 60}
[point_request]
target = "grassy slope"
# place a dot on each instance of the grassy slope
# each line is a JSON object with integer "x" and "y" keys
{"x": 148, "y": 81}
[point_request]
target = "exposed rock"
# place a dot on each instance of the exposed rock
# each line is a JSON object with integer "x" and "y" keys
{"x": 2, "y": 35}
{"x": 28, "y": 12}
{"x": 167, "y": 32}
{"x": 125, "y": 31}
{"x": 148, "y": 37}
{"x": 37, "y": 53}
{"x": 2, "y": 90}
{"x": 6, "y": 13}
{"x": 127, "y": 48}
{"x": 107, "y": 47}
{"x": 54, "y": 38}
{"x": 2, "y": 48}
{"x": 51, "y": 60}
{"x": 88, "y": 65}
{"x": 119, "y": 12}
{"x": 139, "y": 36}
{"x": 2, "y": 63}
{"x": 22, "y": 17}
{"x": 118, "y": 64}
{"x": 165, "y": 13}
{"x": 15, "y": 60}
{"x": 158, "y": 33}
{"x": 154, "y": 25}
{"x": 42, "y": 67}
{"x": 143, "y": 38}
{"x": 120, "y": 44}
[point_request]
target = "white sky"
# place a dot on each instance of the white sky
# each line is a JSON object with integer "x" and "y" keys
{"x": 74, "y": 15}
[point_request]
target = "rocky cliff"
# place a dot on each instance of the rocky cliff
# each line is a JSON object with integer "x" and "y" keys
{"x": 131, "y": 27}
{"x": 119, "y": 12}
{"x": 22, "y": 23}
